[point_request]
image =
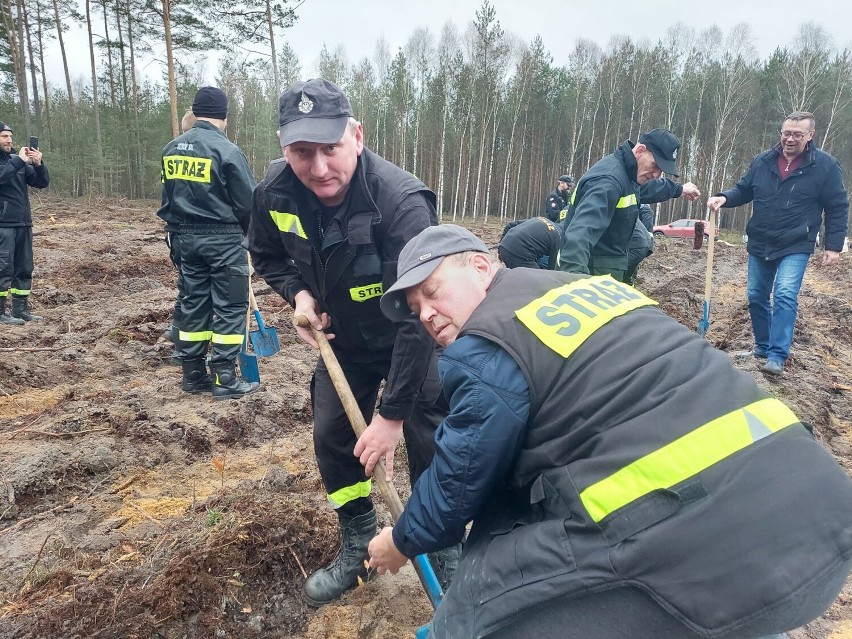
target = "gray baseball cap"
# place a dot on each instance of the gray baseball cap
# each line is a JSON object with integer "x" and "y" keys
{"x": 420, "y": 258}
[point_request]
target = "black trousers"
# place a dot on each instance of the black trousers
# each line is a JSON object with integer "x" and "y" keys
{"x": 334, "y": 439}
{"x": 215, "y": 274}
{"x": 16, "y": 260}
{"x": 173, "y": 242}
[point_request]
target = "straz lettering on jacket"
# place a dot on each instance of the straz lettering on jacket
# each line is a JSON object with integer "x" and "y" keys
{"x": 184, "y": 167}
{"x": 565, "y": 317}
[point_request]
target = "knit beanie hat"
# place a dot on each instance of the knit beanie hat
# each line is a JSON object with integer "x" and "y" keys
{"x": 5, "y": 127}
{"x": 210, "y": 102}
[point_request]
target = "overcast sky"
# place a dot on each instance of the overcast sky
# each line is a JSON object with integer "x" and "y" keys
{"x": 357, "y": 25}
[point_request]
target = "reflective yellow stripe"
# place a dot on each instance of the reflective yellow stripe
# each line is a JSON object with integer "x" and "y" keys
{"x": 198, "y": 336}
{"x": 20, "y": 292}
{"x": 288, "y": 223}
{"x": 626, "y": 201}
{"x": 4, "y": 293}
{"x": 565, "y": 317}
{"x": 687, "y": 456}
{"x": 343, "y": 496}
{"x": 622, "y": 203}
{"x": 218, "y": 338}
{"x": 364, "y": 293}
{"x": 184, "y": 167}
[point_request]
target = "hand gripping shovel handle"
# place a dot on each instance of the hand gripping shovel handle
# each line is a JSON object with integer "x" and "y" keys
{"x": 421, "y": 564}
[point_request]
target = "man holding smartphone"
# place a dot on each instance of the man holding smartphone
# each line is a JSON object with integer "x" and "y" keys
{"x": 18, "y": 169}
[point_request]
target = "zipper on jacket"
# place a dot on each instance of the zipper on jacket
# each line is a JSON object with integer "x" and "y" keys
{"x": 790, "y": 196}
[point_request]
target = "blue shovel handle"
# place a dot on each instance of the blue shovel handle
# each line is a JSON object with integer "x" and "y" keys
{"x": 259, "y": 320}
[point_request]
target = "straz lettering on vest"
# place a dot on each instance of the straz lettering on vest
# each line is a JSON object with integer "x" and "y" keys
{"x": 565, "y": 317}
{"x": 184, "y": 167}
{"x": 364, "y": 293}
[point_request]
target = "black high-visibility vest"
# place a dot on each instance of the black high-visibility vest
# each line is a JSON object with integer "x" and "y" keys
{"x": 657, "y": 466}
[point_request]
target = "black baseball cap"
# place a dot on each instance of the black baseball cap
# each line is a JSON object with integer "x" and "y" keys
{"x": 419, "y": 259}
{"x": 313, "y": 111}
{"x": 566, "y": 178}
{"x": 663, "y": 144}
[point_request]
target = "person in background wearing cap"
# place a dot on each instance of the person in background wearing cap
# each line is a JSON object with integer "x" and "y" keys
{"x": 327, "y": 228}
{"x": 793, "y": 185}
{"x": 18, "y": 169}
{"x": 207, "y": 187}
{"x": 602, "y": 213}
{"x": 600, "y": 509}
{"x": 557, "y": 201}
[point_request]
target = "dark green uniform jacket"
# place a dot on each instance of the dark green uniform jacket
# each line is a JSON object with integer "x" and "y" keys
{"x": 661, "y": 467}
{"x": 347, "y": 266}
{"x": 206, "y": 181}
{"x": 603, "y": 212}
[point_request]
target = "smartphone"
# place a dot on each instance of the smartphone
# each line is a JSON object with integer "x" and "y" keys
{"x": 33, "y": 142}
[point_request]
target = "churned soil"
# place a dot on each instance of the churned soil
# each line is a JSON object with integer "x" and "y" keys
{"x": 129, "y": 509}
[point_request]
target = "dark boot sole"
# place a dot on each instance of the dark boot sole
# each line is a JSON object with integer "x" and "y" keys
{"x": 235, "y": 395}
{"x": 313, "y": 603}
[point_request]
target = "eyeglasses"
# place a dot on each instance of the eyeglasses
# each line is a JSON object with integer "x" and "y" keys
{"x": 796, "y": 135}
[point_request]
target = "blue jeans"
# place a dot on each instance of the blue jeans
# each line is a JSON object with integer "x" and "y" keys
{"x": 773, "y": 324}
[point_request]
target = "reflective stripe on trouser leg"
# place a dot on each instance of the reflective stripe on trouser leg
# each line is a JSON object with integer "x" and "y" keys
{"x": 22, "y": 262}
{"x": 195, "y": 325}
{"x": 334, "y": 440}
{"x": 229, "y": 291}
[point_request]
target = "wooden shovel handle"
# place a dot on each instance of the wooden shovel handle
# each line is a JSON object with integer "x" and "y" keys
{"x": 711, "y": 233}
{"x": 389, "y": 494}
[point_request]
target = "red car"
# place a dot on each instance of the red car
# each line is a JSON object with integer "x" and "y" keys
{"x": 680, "y": 228}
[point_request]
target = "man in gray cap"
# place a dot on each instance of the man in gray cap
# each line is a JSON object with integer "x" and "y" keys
{"x": 603, "y": 211}
{"x": 327, "y": 228}
{"x": 207, "y": 187}
{"x": 600, "y": 509}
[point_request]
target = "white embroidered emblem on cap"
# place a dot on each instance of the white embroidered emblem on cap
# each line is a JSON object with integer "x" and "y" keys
{"x": 305, "y": 104}
{"x": 674, "y": 154}
{"x": 424, "y": 257}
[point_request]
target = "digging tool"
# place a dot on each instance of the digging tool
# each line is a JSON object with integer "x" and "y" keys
{"x": 421, "y": 564}
{"x": 710, "y": 232}
{"x": 264, "y": 340}
{"x": 248, "y": 361}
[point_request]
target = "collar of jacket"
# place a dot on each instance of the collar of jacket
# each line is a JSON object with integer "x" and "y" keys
{"x": 776, "y": 151}
{"x": 360, "y": 199}
{"x": 201, "y": 124}
{"x": 624, "y": 153}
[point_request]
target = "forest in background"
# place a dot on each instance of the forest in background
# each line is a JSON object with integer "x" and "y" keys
{"x": 486, "y": 120}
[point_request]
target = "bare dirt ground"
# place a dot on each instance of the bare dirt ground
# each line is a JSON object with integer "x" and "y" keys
{"x": 129, "y": 509}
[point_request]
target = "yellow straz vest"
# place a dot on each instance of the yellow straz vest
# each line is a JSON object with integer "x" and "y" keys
{"x": 648, "y": 461}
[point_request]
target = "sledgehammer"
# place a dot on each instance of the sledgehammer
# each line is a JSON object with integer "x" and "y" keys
{"x": 421, "y": 563}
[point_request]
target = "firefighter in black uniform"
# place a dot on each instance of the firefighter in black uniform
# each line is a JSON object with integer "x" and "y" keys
{"x": 532, "y": 243}
{"x": 699, "y": 508}
{"x": 557, "y": 201}
{"x": 207, "y": 186}
{"x": 326, "y": 231}
{"x": 18, "y": 169}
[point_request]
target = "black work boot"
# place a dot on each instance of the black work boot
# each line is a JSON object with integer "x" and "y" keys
{"x": 444, "y": 563}
{"x": 195, "y": 376}
{"x": 327, "y": 584}
{"x": 21, "y": 309}
{"x": 227, "y": 384}
{"x": 5, "y": 318}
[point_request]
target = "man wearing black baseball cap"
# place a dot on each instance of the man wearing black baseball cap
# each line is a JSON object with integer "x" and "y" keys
{"x": 327, "y": 228}
{"x": 558, "y": 198}
{"x": 603, "y": 211}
